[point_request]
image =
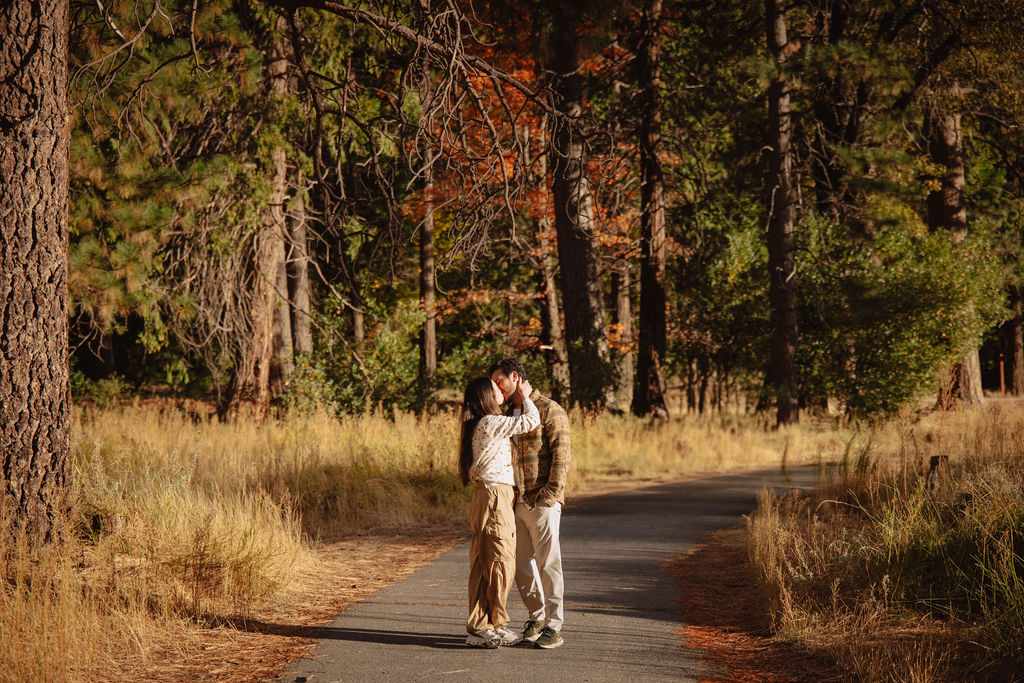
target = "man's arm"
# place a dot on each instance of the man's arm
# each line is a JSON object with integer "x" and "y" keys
{"x": 556, "y": 432}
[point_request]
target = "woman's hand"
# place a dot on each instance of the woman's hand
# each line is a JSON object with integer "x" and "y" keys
{"x": 523, "y": 391}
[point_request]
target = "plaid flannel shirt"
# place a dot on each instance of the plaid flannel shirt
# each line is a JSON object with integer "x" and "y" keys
{"x": 541, "y": 458}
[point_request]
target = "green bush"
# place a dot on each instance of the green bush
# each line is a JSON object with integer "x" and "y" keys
{"x": 879, "y": 317}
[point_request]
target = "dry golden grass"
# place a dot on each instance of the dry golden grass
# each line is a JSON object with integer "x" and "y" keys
{"x": 607, "y": 447}
{"x": 185, "y": 532}
{"x": 901, "y": 571}
{"x": 177, "y": 524}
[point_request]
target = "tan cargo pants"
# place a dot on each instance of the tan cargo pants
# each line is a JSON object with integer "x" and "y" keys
{"x": 491, "y": 556}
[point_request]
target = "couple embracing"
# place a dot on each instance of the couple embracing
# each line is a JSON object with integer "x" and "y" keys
{"x": 518, "y": 461}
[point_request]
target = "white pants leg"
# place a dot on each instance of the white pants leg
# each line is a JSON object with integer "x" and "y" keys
{"x": 539, "y": 563}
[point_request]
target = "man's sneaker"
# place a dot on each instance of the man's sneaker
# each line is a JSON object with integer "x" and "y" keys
{"x": 486, "y": 639}
{"x": 506, "y": 636}
{"x": 549, "y": 638}
{"x": 531, "y": 631}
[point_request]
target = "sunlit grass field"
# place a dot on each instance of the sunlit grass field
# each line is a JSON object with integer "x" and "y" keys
{"x": 908, "y": 564}
{"x": 177, "y": 520}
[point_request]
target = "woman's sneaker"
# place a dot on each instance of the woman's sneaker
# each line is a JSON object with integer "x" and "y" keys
{"x": 486, "y": 639}
{"x": 507, "y": 637}
{"x": 531, "y": 631}
{"x": 549, "y": 638}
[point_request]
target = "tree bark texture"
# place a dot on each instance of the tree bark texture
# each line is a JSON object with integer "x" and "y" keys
{"x": 428, "y": 274}
{"x": 298, "y": 273}
{"x": 781, "y": 211}
{"x": 428, "y": 333}
{"x": 649, "y": 383}
{"x": 282, "y": 362}
{"x": 271, "y": 309}
{"x": 948, "y": 211}
{"x": 586, "y": 330}
{"x": 551, "y": 321}
{"x": 552, "y": 331}
{"x": 622, "y": 287}
{"x": 34, "y": 144}
{"x": 946, "y": 207}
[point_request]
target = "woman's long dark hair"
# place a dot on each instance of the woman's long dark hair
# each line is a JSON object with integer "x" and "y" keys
{"x": 478, "y": 401}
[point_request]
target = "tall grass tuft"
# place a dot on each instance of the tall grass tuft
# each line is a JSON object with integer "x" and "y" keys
{"x": 926, "y": 539}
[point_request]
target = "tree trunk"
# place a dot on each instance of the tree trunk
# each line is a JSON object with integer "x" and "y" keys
{"x": 358, "y": 328}
{"x": 298, "y": 273}
{"x": 947, "y": 211}
{"x": 283, "y": 360}
{"x": 946, "y": 208}
{"x": 781, "y": 209}
{"x": 649, "y": 384}
{"x": 586, "y": 330}
{"x": 1013, "y": 344}
{"x": 34, "y": 144}
{"x": 551, "y": 322}
{"x": 428, "y": 333}
{"x": 622, "y": 287}
{"x": 274, "y": 351}
{"x": 269, "y": 262}
{"x": 552, "y": 335}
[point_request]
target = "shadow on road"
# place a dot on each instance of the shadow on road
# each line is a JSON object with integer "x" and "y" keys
{"x": 442, "y": 641}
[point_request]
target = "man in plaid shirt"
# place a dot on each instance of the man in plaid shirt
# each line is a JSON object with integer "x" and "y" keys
{"x": 540, "y": 465}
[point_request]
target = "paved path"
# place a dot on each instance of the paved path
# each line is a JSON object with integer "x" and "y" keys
{"x": 621, "y": 614}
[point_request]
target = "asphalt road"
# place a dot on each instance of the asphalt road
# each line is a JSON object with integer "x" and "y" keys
{"x": 621, "y": 614}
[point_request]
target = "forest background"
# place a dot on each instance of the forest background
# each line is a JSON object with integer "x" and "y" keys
{"x": 288, "y": 207}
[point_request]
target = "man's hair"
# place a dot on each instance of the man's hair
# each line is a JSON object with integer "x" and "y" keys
{"x": 508, "y": 366}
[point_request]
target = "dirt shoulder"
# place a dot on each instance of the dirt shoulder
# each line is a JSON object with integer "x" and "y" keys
{"x": 725, "y": 618}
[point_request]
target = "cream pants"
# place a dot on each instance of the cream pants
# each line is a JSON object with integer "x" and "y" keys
{"x": 539, "y": 563}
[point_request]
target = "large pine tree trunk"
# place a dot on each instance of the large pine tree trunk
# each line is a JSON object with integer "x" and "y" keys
{"x": 781, "y": 210}
{"x": 947, "y": 211}
{"x": 34, "y": 143}
{"x": 649, "y": 384}
{"x": 586, "y": 330}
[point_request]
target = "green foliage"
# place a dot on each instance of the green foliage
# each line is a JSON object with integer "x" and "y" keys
{"x": 105, "y": 393}
{"x": 471, "y": 359}
{"x": 310, "y": 390}
{"x": 880, "y": 316}
{"x": 721, "y": 320}
{"x": 382, "y": 373}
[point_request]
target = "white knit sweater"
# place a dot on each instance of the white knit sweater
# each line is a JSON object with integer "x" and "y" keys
{"x": 492, "y": 450}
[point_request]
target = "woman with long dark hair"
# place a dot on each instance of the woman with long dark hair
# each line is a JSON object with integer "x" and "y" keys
{"x": 485, "y": 458}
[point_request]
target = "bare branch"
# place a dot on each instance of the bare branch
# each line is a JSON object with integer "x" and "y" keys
{"x": 445, "y": 51}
